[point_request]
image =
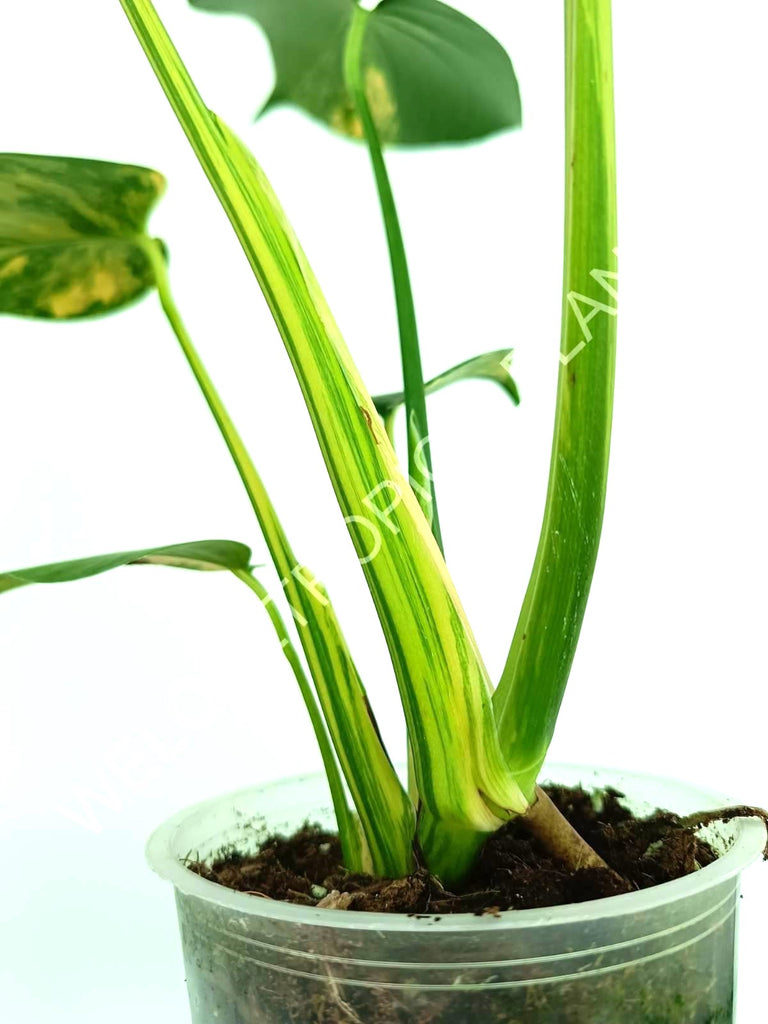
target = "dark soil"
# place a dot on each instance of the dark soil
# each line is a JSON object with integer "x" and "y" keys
{"x": 242, "y": 971}
{"x": 512, "y": 873}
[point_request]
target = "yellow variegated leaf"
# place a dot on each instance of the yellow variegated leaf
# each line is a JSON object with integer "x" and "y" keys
{"x": 463, "y": 779}
{"x": 386, "y": 815}
{"x": 73, "y": 235}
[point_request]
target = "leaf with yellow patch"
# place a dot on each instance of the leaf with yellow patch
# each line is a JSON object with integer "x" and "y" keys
{"x": 73, "y": 235}
{"x": 432, "y": 75}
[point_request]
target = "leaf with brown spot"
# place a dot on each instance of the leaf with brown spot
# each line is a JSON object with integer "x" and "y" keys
{"x": 73, "y": 235}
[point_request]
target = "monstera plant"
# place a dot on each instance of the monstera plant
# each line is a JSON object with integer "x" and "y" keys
{"x": 74, "y": 243}
{"x": 77, "y": 245}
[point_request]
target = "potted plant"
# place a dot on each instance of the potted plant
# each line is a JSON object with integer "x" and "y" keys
{"x": 399, "y": 912}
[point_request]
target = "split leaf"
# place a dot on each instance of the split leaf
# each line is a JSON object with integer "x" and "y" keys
{"x": 432, "y": 75}
{"x": 73, "y": 235}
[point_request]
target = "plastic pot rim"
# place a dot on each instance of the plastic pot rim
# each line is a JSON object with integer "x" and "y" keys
{"x": 747, "y": 845}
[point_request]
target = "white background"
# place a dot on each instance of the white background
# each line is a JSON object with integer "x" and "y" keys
{"x": 131, "y": 695}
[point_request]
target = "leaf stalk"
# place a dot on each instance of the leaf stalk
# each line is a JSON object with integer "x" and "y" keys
{"x": 419, "y": 457}
{"x": 533, "y": 682}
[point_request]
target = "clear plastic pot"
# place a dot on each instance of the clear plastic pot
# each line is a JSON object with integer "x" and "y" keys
{"x": 659, "y": 956}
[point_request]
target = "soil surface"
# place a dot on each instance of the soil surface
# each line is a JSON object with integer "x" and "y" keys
{"x": 512, "y": 872}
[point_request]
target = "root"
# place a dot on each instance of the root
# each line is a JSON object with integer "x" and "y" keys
{"x": 337, "y": 1000}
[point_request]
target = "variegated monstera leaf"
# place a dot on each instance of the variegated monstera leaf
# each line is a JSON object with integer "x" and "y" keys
{"x": 73, "y": 239}
{"x": 432, "y": 75}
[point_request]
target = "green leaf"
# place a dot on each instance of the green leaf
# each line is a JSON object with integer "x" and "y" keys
{"x": 307, "y": 41}
{"x": 203, "y": 556}
{"x": 432, "y": 75}
{"x": 532, "y": 685}
{"x": 70, "y": 234}
{"x": 493, "y": 366}
{"x": 462, "y": 775}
